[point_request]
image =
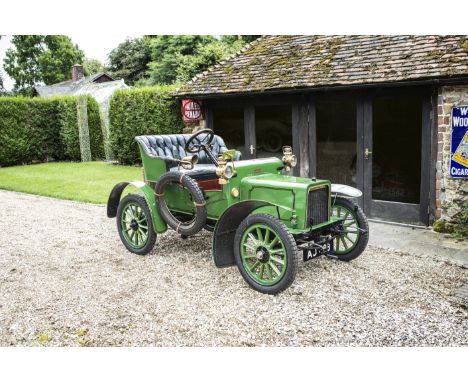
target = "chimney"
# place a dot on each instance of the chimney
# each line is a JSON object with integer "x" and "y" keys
{"x": 77, "y": 72}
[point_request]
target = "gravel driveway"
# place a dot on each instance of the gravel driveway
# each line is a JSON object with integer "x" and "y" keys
{"x": 67, "y": 280}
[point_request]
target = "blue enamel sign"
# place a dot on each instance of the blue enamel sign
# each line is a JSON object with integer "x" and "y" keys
{"x": 459, "y": 147}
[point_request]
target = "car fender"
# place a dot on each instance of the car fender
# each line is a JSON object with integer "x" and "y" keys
{"x": 345, "y": 191}
{"x": 159, "y": 224}
{"x": 225, "y": 230}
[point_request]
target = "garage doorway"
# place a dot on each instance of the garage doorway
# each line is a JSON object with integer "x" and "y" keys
{"x": 379, "y": 142}
{"x": 394, "y": 164}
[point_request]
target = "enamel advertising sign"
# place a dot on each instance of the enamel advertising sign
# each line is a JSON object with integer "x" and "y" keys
{"x": 459, "y": 147}
{"x": 191, "y": 110}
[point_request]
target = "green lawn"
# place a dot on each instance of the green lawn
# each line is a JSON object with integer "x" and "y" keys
{"x": 86, "y": 182}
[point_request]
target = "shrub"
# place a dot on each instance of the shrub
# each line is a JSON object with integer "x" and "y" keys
{"x": 41, "y": 129}
{"x": 28, "y": 130}
{"x": 140, "y": 112}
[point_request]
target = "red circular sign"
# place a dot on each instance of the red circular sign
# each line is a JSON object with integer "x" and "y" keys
{"x": 191, "y": 110}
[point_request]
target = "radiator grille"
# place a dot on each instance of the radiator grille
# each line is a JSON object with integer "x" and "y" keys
{"x": 318, "y": 206}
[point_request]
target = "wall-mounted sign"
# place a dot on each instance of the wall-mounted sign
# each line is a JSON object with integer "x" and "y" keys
{"x": 459, "y": 146}
{"x": 191, "y": 110}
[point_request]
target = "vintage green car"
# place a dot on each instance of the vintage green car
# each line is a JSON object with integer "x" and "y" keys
{"x": 260, "y": 214}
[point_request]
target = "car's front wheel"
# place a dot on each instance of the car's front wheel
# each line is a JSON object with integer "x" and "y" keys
{"x": 354, "y": 236}
{"x": 266, "y": 253}
{"x": 135, "y": 225}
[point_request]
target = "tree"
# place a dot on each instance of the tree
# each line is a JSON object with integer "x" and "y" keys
{"x": 204, "y": 57}
{"x": 166, "y": 52}
{"x": 2, "y": 88}
{"x": 40, "y": 59}
{"x": 92, "y": 66}
{"x": 231, "y": 39}
{"x": 179, "y": 58}
{"x": 130, "y": 59}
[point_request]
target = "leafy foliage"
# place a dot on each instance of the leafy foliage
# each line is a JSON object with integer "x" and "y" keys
{"x": 28, "y": 130}
{"x": 167, "y": 59}
{"x": 41, "y": 129}
{"x": 140, "y": 112}
{"x": 40, "y": 59}
{"x": 129, "y": 60}
{"x": 204, "y": 57}
{"x": 232, "y": 39}
{"x": 2, "y": 89}
{"x": 92, "y": 66}
{"x": 166, "y": 51}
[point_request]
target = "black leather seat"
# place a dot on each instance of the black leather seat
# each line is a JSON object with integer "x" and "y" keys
{"x": 171, "y": 148}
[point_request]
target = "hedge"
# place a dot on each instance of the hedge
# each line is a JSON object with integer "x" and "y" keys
{"x": 69, "y": 129}
{"x": 29, "y": 129}
{"x": 141, "y": 111}
{"x": 41, "y": 129}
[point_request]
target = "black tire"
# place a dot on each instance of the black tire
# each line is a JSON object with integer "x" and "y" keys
{"x": 124, "y": 204}
{"x": 361, "y": 223}
{"x": 290, "y": 253}
{"x": 184, "y": 227}
{"x": 210, "y": 225}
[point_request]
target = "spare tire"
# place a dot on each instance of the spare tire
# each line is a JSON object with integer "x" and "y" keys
{"x": 189, "y": 227}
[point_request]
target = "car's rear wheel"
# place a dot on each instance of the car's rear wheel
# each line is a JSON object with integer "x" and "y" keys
{"x": 266, "y": 253}
{"x": 355, "y": 230}
{"x": 135, "y": 225}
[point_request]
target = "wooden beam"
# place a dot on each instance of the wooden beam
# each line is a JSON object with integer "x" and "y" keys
{"x": 360, "y": 147}
{"x": 425, "y": 159}
{"x": 433, "y": 156}
{"x": 312, "y": 138}
{"x": 249, "y": 132}
{"x": 300, "y": 135}
{"x": 367, "y": 145}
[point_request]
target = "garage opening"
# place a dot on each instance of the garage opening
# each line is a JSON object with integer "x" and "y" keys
{"x": 396, "y": 166}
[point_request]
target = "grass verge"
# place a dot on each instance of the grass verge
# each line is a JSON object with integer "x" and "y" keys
{"x": 85, "y": 182}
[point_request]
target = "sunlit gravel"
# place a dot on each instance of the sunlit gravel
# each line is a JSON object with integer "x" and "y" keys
{"x": 67, "y": 280}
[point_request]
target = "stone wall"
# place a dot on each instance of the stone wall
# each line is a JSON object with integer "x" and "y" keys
{"x": 193, "y": 127}
{"x": 448, "y": 190}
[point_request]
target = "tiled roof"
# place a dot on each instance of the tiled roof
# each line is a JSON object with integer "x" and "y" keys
{"x": 294, "y": 62}
{"x": 69, "y": 87}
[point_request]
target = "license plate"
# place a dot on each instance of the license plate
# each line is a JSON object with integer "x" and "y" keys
{"x": 318, "y": 250}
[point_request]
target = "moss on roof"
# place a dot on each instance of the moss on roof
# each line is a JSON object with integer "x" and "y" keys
{"x": 288, "y": 62}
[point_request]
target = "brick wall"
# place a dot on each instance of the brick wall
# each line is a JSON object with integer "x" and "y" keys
{"x": 448, "y": 190}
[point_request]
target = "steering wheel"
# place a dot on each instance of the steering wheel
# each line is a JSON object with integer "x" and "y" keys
{"x": 200, "y": 141}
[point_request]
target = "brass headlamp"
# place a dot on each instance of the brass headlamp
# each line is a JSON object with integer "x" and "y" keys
{"x": 225, "y": 170}
{"x": 289, "y": 159}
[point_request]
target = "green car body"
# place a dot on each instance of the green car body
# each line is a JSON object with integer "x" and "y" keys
{"x": 259, "y": 187}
